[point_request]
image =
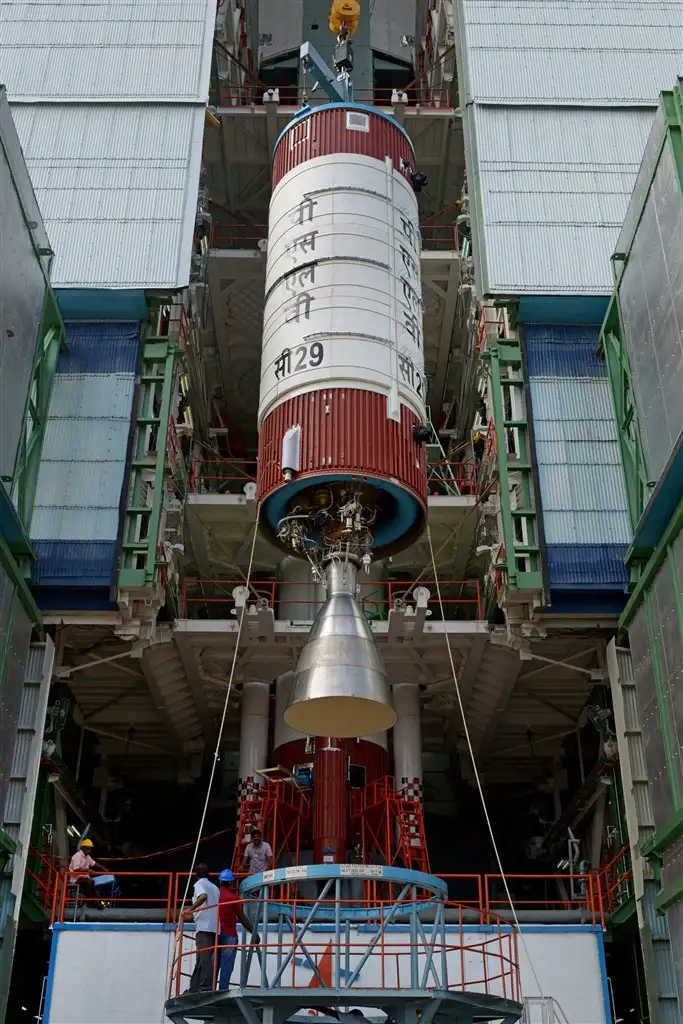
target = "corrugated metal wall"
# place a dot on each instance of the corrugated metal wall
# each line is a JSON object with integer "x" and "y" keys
{"x": 583, "y": 496}
{"x": 555, "y": 100}
{"x": 77, "y": 509}
{"x": 22, "y": 295}
{"x": 109, "y": 103}
{"x": 651, "y": 303}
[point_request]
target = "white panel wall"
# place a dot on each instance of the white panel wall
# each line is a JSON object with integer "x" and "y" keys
{"x": 109, "y": 101}
{"x": 119, "y": 975}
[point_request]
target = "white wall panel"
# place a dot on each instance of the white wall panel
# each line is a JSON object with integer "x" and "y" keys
{"x": 107, "y": 49}
{"x": 100, "y": 957}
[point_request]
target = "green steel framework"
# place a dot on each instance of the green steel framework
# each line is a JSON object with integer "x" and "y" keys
{"x": 519, "y": 524}
{"x": 647, "y": 562}
{"x": 140, "y": 560}
{"x": 638, "y": 486}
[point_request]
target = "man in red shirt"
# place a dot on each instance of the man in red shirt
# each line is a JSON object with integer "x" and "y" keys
{"x": 229, "y": 913}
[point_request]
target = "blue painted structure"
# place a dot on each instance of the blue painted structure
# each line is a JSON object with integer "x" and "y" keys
{"x": 582, "y": 492}
{"x": 77, "y": 514}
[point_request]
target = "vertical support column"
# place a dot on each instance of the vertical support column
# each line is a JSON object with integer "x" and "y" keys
{"x": 408, "y": 740}
{"x": 330, "y": 787}
{"x": 253, "y": 738}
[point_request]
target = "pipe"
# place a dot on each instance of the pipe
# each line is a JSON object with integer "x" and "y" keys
{"x": 407, "y": 735}
{"x": 253, "y": 737}
{"x": 330, "y": 789}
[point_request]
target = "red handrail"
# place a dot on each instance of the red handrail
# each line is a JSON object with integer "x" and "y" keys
{"x": 267, "y": 592}
{"x": 233, "y": 95}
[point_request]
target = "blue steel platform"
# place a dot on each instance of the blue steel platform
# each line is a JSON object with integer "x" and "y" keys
{"x": 404, "y": 1006}
{"x": 363, "y": 936}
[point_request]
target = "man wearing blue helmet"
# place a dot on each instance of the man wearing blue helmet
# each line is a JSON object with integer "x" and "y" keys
{"x": 229, "y": 913}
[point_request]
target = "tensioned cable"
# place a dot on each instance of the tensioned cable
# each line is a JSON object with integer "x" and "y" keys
{"x": 217, "y": 751}
{"x": 476, "y": 771}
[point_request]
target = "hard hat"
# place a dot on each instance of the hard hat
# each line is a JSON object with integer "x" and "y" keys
{"x": 226, "y": 876}
{"x": 86, "y": 842}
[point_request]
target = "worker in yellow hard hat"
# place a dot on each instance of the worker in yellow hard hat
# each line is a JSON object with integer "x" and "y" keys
{"x": 83, "y": 868}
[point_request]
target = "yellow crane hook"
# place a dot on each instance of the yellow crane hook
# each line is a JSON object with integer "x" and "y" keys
{"x": 344, "y": 17}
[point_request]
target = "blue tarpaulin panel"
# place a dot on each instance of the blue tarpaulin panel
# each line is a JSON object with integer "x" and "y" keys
{"x": 100, "y": 348}
{"x": 74, "y": 563}
{"x": 600, "y": 566}
{"x": 583, "y": 496}
{"x": 563, "y": 352}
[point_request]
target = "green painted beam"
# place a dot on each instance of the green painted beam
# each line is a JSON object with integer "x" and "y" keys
{"x": 16, "y": 574}
{"x": 670, "y": 832}
{"x": 650, "y": 570}
{"x": 670, "y": 894}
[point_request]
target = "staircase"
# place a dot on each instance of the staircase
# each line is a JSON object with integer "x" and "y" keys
{"x": 412, "y": 846}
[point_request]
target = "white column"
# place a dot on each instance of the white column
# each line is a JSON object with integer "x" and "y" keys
{"x": 407, "y": 735}
{"x": 253, "y": 736}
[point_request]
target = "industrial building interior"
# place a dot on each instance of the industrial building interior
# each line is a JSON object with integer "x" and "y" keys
{"x": 158, "y": 669}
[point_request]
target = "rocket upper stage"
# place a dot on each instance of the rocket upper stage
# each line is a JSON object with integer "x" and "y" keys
{"x": 342, "y": 371}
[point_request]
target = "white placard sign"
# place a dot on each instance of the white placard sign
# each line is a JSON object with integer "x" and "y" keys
{"x": 364, "y": 870}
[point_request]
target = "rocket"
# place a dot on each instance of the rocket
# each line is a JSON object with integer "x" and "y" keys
{"x": 342, "y": 478}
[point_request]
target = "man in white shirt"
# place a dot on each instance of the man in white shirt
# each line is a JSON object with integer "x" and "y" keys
{"x": 258, "y": 856}
{"x": 204, "y": 910}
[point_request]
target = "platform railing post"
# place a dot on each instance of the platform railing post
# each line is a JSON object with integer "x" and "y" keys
{"x": 336, "y": 979}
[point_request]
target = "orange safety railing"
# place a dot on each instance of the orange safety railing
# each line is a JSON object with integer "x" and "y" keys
{"x": 221, "y": 476}
{"x": 465, "y": 476}
{"x": 463, "y": 961}
{"x": 248, "y": 236}
{"x": 615, "y": 880}
{"x": 481, "y": 898}
{"x": 216, "y": 595}
{"x": 45, "y": 874}
{"x": 233, "y": 95}
{"x": 67, "y": 899}
{"x": 588, "y": 901}
{"x": 493, "y": 322}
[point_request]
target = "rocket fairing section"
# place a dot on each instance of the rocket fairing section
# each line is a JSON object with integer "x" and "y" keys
{"x": 342, "y": 477}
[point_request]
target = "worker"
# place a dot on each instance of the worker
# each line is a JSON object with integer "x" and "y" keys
{"x": 229, "y": 913}
{"x": 83, "y": 868}
{"x": 204, "y": 912}
{"x": 258, "y": 855}
{"x": 478, "y": 445}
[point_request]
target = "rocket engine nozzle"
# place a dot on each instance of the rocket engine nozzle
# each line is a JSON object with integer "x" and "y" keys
{"x": 339, "y": 685}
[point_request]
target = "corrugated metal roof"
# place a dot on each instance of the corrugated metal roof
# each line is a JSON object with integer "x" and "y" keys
{"x": 148, "y": 49}
{"x": 85, "y": 395}
{"x": 563, "y": 352}
{"x": 100, "y": 348}
{"x": 581, "y": 480}
{"x": 74, "y": 563}
{"x": 83, "y": 462}
{"x": 118, "y": 189}
{"x": 593, "y": 52}
{"x": 593, "y": 565}
{"x": 552, "y": 191}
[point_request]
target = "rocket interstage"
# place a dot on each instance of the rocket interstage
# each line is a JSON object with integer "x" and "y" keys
{"x": 342, "y": 478}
